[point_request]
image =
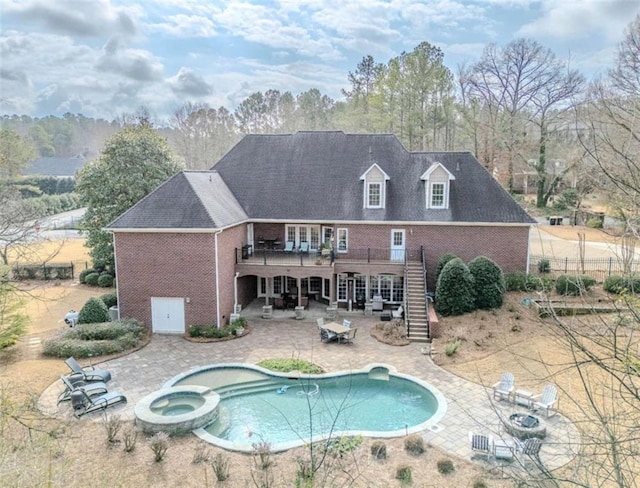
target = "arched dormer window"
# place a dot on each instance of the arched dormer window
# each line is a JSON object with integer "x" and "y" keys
{"x": 374, "y": 191}
{"x": 437, "y": 183}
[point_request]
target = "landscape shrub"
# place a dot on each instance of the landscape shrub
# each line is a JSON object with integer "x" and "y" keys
{"x": 414, "y": 444}
{"x": 442, "y": 262}
{"x": 452, "y": 347}
{"x": 93, "y": 312}
{"x": 284, "y": 365}
{"x": 544, "y": 266}
{"x": 594, "y": 223}
{"x": 110, "y": 299}
{"x": 445, "y": 466}
{"x": 480, "y": 483}
{"x": 379, "y": 450}
{"x": 220, "y": 465}
{"x": 89, "y": 340}
{"x": 83, "y": 274}
{"x": 403, "y": 473}
{"x": 105, "y": 280}
{"x": 210, "y": 331}
{"x": 92, "y": 279}
{"x": 520, "y": 281}
{"x": 618, "y": 284}
{"x": 455, "y": 293}
{"x": 488, "y": 283}
{"x": 573, "y": 285}
{"x": 159, "y": 444}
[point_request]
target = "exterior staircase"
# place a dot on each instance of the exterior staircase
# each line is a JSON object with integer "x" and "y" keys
{"x": 416, "y": 301}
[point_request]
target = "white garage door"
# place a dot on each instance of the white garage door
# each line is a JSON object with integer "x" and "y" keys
{"x": 167, "y": 315}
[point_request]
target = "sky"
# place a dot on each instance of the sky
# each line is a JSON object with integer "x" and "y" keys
{"x": 104, "y": 58}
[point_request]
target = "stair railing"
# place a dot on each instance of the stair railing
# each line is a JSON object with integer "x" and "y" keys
{"x": 405, "y": 296}
{"x": 427, "y": 298}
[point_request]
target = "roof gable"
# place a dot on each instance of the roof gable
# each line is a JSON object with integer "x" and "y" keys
{"x": 437, "y": 166}
{"x": 376, "y": 171}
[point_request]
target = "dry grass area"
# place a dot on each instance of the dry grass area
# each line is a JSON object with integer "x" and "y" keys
{"x": 511, "y": 339}
{"x": 52, "y": 251}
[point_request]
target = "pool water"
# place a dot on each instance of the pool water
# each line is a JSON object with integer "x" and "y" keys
{"x": 177, "y": 405}
{"x": 283, "y": 411}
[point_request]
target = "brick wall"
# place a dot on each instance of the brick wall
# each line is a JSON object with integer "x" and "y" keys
{"x": 228, "y": 241}
{"x": 506, "y": 245}
{"x": 166, "y": 265}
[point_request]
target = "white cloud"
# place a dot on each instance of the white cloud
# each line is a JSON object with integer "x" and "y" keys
{"x": 187, "y": 82}
{"x": 581, "y": 18}
{"x": 136, "y": 64}
{"x": 186, "y": 26}
{"x": 96, "y": 18}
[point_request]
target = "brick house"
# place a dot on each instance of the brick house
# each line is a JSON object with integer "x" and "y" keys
{"x": 325, "y": 216}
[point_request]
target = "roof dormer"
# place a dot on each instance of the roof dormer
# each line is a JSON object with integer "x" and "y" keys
{"x": 437, "y": 186}
{"x": 374, "y": 195}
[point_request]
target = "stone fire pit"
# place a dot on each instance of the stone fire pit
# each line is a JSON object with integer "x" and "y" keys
{"x": 524, "y": 426}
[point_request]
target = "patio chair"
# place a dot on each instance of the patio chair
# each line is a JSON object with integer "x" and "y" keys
{"x": 328, "y": 336}
{"x": 503, "y": 388}
{"x": 348, "y": 337}
{"x": 288, "y": 247}
{"x": 74, "y": 382}
{"x": 90, "y": 373}
{"x": 546, "y": 400}
{"x": 398, "y": 313}
{"x": 346, "y": 323}
{"x": 83, "y": 403}
{"x": 529, "y": 448}
{"x": 480, "y": 443}
{"x": 304, "y": 247}
{"x": 503, "y": 449}
{"x": 320, "y": 323}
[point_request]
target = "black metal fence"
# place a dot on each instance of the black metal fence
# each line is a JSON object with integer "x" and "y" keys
{"x": 49, "y": 271}
{"x": 597, "y": 268}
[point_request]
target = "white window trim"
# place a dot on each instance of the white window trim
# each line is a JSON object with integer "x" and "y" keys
{"x": 444, "y": 194}
{"x": 368, "y": 200}
{"x": 346, "y": 239}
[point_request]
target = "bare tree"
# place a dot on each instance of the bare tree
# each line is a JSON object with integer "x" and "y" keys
{"x": 18, "y": 224}
{"x": 613, "y": 138}
{"x": 519, "y": 84}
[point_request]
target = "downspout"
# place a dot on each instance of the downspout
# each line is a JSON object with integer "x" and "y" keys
{"x": 235, "y": 291}
{"x": 215, "y": 237}
{"x": 529, "y": 248}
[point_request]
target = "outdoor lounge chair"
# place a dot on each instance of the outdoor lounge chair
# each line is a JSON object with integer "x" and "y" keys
{"x": 304, "y": 247}
{"x": 480, "y": 443}
{"x": 529, "y": 448}
{"x": 288, "y": 247}
{"x": 83, "y": 403}
{"x": 546, "y": 400}
{"x": 90, "y": 373}
{"x": 74, "y": 382}
{"x": 503, "y": 388}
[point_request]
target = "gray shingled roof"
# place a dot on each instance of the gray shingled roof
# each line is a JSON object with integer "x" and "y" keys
{"x": 187, "y": 200}
{"x": 315, "y": 176}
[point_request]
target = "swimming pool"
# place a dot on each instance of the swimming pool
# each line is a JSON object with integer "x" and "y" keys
{"x": 288, "y": 410}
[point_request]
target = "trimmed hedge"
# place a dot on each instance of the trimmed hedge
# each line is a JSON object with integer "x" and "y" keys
{"x": 619, "y": 284}
{"x": 93, "y": 312}
{"x": 455, "y": 292}
{"x": 110, "y": 299}
{"x": 488, "y": 282}
{"x": 520, "y": 281}
{"x": 88, "y": 340}
{"x": 82, "y": 277}
{"x": 442, "y": 262}
{"x": 210, "y": 331}
{"x": 105, "y": 280}
{"x": 574, "y": 285}
{"x": 92, "y": 279}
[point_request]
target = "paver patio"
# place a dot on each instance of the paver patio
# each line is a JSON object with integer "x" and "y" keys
{"x": 469, "y": 405}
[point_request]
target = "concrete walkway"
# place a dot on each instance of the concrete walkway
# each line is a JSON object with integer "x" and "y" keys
{"x": 469, "y": 405}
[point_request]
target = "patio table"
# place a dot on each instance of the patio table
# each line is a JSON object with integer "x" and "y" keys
{"x": 336, "y": 328}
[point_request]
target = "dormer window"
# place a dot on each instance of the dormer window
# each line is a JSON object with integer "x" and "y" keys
{"x": 375, "y": 180}
{"x": 437, "y": 185}
{"x": 374, "y": 198}
{"x": 437, "y": 195}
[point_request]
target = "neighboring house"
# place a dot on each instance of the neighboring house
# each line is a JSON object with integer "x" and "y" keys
{"x": 50, "y": 166}
{"x": 205, "y": 241}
